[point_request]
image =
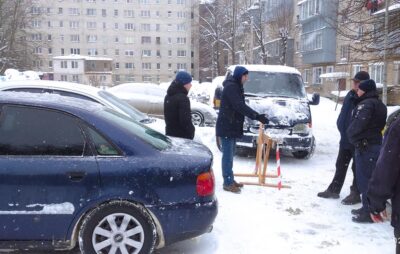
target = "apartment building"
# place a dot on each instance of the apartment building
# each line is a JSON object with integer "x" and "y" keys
{"x": 147, "y": 40}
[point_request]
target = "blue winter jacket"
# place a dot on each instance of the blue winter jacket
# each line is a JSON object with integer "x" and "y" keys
{"x": 344, "y": 119}
{"x": 233, "y": 109}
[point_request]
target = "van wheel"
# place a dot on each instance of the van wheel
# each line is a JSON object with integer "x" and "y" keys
{"x": 117, "y": 227}
{"x": 305, "y": 154}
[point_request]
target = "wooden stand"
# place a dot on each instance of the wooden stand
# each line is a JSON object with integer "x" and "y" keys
{"x": 264, "y": 145}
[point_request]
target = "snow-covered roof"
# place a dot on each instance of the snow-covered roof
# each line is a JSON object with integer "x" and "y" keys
{"x": 268, "y": 68}
{"x": 80, "y": 57}
{"x": 391, "y": 8}
{"x": 335, "y": 75}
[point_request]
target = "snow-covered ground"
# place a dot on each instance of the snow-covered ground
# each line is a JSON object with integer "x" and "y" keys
{"x": 266, "y": 220}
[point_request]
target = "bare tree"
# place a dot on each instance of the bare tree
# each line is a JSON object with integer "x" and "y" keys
{"x": 15, "y": 50}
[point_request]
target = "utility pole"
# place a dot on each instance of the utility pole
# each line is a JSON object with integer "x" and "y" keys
{"x": 385, "y": 62}
{"x": 251, "y": 39}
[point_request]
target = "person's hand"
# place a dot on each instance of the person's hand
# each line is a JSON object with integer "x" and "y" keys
{"x": 378, "y": 217}
{"x": 262, "y": 118}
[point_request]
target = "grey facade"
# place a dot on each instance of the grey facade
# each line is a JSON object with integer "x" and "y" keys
{"x": 148, "y": 40}
{"x": 318, "y": 33}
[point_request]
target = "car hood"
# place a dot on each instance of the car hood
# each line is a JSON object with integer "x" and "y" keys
{"x": 282, "y": 111}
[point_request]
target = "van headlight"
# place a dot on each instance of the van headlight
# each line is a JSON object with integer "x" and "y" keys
{"x": 302, "y": 128}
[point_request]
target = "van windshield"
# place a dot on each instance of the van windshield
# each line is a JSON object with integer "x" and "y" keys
{"x": 274, "y": 84}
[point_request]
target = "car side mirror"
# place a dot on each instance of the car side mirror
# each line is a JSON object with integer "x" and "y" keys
{"x": 315, "y": 99}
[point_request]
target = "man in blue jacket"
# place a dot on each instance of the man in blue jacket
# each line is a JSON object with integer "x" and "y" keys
{"x": 385, "y": 180}
{"x": 346, "y": 149}
{"x": 230, "y": 120}
{"x": 365, "y": 133}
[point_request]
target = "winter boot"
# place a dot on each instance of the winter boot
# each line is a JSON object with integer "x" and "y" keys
{"x": 352, "y": 199}
{"x": 240, "y": 185}
{"x": 356, "y": 211}
{"x": 328, "y": 194}
{"x": 363, "y": 217}
{"x": 232, "y": 188}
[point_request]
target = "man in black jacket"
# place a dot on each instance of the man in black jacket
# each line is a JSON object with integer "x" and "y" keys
{"x": 364, "y": 132}
{"x": 346, "y": 149}
{"x": 385, "y": 180}
{"x": 177, "y": 113}
{"x": 230, "y": 120}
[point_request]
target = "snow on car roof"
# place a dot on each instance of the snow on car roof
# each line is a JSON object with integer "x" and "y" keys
{"x": 125, "y": 86}
{"x": 62, "y": 85}
{"x": 46, "y": 99}
{"x": 268, "y": 68}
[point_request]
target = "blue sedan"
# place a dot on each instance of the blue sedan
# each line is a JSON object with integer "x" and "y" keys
{"x": 74, "y": 171}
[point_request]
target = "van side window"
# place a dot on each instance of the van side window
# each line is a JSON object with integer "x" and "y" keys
{"x": 35, "y": 131}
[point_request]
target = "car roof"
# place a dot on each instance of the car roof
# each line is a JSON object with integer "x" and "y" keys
{"x": 54, "y": 101}
{"x": 267, "y": 68}
{"x": 50, "y": 84}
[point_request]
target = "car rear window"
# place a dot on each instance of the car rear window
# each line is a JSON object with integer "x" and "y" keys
{"x": 148, "y": 135}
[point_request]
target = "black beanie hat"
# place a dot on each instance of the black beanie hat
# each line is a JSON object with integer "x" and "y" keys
{"x": 361, "y": 75}
{"x": 367, "y": 85}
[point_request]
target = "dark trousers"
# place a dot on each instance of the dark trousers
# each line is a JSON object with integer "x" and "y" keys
{"x": 342, "y": 163}
{"x": 365, "y": 164}
{"x": 397, "y": 239}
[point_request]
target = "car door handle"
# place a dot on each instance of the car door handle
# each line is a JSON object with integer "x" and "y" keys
{"x": 76, "y": 176}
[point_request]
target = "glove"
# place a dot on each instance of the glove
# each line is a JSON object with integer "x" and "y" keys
{"x": 262, "y": 118}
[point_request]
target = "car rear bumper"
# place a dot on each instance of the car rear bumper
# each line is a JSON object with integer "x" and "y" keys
{"x": 185, "y": 220}
{"x": 287, "y": 143}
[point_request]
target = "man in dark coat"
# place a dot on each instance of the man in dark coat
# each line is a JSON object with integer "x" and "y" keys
{"x": 177, "y": 113}
{"x": 385, "y": 180}
{"x": 364, "y": 132}
{"x": 346, "y": 149}
{"x": 230, "y": 121}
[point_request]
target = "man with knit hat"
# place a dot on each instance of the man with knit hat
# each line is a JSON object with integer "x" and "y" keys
{"x": 230, "y": 121}
{"x": 177, "y": 113}
{"x": 365, "y": 133}
{"x": 346, "y": 149}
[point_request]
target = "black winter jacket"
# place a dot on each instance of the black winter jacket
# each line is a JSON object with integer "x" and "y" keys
{"x": 344, "y": 119}
{"x": 385, "y": 181}
{"x": 177, "y": 113}
{"x": 368, "y": 120}
{"x": 233, "y": 110}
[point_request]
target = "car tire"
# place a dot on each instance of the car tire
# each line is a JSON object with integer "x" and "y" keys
{"x": 197, "y": 118}
{"x": 306, "y": 154}
{"x": 102, "y": 232}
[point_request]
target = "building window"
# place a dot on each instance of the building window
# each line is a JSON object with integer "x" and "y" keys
{"x": 117, "y": 65}
{"x": 356, "y": 68}
{"x": 345, "y": 52}
{"x": 129, "y": 66}
{"x": 145, "y": 27}
{"x": 50, "y": 50}
{"x": 329, "y": 69}
{"x": 91, "y": 25}
{"x": 64, "y": 64}
{"x": 91, "y": 12}
{"x": 129, "y": 53}
{"x": 147, "y": 78}
{"x": 64, "y": 78}
{"x": 37, "y": 50}
{"x": 146, "y": 66}
{"x": 181, "y": 53}
{"x": 145, "y": 14}
{"x": 146, "y": 53}
{"x": 75, "y": 78}
{"x": 50, "y": 64}
{"x": 376, "y": 72}
{"x": 103, "y": 12}
{"x": 116, "y": 13}
{"x": 73, "y": 11}
{"x": 158, "y": 53}
{"x": 116, "y": 52}
{"x": 169, "y": 53}
{"x": 92, "y": 38}
{"x": 129, "y": 14}
{"x": 158, "y": 66}
{"x": 75, "y": 38}
{"x": 309, "y": 8}
{"x": 397, "y": 73}
{"x": 317, "y": 71}
{"x": 129, "y": 26}
{"x": 146, "y": 39}
{"x": 158, "y": 40}
{"x": 92, "y": 52}
{"x": 181, "y": 40}
{"x": 75, "y": 51}
{"x": 181, "y": 27}
{"x": 181, "y": 66}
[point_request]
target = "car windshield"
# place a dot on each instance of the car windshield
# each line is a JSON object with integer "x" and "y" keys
{"x": 148, "y": 135}
{"x": 124, "y": 106}
{"x": 274, "y": 84}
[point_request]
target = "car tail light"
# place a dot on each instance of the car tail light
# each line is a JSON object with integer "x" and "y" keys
{"x": 205, "y": 184}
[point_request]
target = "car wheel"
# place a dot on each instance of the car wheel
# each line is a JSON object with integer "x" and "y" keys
{"x": 197, "y": 118}
{"x": 305, "y": 154}
{"x": 117, "y": 227}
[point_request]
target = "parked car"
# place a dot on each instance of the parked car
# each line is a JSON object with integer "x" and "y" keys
{"x": 85, "y": 92}
{"x": 278, "y": 92}
{"x": 75, "y": 171}
{"x": 149, "y": 99}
